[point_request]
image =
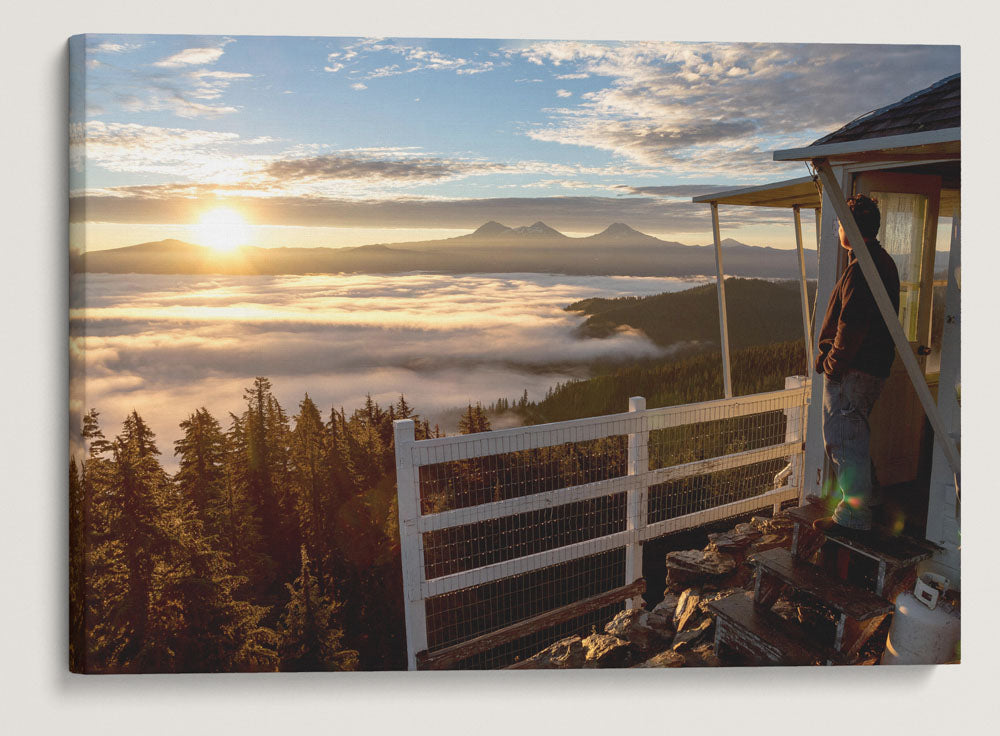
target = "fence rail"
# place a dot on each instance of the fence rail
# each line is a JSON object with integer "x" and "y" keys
{"x": 502, "y": 530}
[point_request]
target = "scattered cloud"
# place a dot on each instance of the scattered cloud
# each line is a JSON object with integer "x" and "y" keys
{"x": 721, "y": 108}
{"x": 113, "y": 47}
{"x": 413, "y": 58}
{"x": 153, "y": 204}
{"x": 192, "y": 57}
{"x": 677, "y": 190}
{"x": 563, "y": 93}
{"x": 359, "y": 86}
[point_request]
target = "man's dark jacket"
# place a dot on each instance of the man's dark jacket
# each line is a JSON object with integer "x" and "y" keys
{"x": 853, "y": 333}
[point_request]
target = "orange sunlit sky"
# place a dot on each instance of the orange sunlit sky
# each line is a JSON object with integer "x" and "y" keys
{"x": 230, "y": 141}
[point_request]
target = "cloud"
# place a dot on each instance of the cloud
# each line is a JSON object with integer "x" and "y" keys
{"x": 413, "y": 58}
{"x": 147, "y": 149}
{"x": 166, "y": 345}
{"x": 151, "y": 204}
{"x": 192, "y": 57}
{"x": 354, "y": 166}
{"x": 678, "y": 190}
{"x": 563, "y": 93}
{"x": 115, "y": 47}
{"x": 359, "y": 86}
{"x": 721, "y": 108}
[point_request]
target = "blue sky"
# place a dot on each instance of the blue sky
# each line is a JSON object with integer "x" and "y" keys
{"x": 345, "y": 141}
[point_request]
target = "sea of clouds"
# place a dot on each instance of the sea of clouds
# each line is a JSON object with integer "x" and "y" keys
{"x": 166, "y": 344}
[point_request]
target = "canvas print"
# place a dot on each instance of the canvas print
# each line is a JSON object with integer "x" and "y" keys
{"x": 416, "y": 354}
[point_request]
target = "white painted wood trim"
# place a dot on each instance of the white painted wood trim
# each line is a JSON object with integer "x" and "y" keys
{"x": 870, "y": 272}
{"x": 720, "y": 281}
{"x": 803, "y": 289}
{"x": 723, "y": 462}
{"x": 521, "y": 565}
{"x": 715, "y": 196}
{"x": 598, "y": 489}
{"x": 548, "y": 558}
{"x": 525, "y": 504}
{"x": 410, "y": 544}
{"x": 514, "y": 439}
{"x": 888, "y": 142}
{"x": 688, "y": 521}
{"x": 636, "y": 500}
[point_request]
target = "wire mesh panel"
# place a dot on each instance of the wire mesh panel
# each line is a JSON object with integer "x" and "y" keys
{"x": 473, "y": 611}
{"x": 521, "y": 528}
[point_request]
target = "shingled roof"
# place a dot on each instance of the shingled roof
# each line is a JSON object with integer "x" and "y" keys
{"x": 933, "y": 108}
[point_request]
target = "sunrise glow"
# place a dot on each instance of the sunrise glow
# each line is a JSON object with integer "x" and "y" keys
{"x": 222, "y": 229}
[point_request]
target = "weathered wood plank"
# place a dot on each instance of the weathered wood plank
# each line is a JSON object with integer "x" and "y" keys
{"x": 855, "y": 602}
{"x": 450, "y": 656}
{"x": 761, "y": 636}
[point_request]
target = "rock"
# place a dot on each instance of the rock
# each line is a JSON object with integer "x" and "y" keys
{"x": 733, "y": 543}
{"x": 667, "y": 606}
{"x": 770, "y": 541}
{"x": 568, "y": 653}
{"x": 687, "y": 606}
{"x": 668, "y": 658}
{"x": 685, "y": 639}
{"x": 775, "y": 525}
{"x": 702, "y": 655}
{"x": 696, "y": 566}
{"x": 645, "y": 630}
{"x": 604, "y": 650}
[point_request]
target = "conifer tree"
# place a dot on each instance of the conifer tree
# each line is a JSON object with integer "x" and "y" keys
{"x": 309, "y": 639}
{"x": 201, "y": 475}
{"x": 474, "y": 420}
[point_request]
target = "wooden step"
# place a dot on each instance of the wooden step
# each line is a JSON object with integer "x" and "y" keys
{"x": 763, "y": 637}
{"x": 897, "y": 551}
{"x": 850, "y": 600}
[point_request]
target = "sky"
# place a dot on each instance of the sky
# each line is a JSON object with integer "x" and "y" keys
{"x": 296, "y": 141}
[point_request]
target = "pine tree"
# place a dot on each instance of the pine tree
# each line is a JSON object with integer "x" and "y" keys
{"x": 310, "y": 452}
{"x": 139, "y": 534}
{"x": 201, "y": 476}
{"x": 309, "y": 639}
{"x": 473, "y": 420}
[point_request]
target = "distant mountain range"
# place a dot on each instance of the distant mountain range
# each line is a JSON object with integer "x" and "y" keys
{"x": 619, "y": 250}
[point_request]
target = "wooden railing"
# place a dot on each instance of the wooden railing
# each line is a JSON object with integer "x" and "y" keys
{"x": 736, "y": 455}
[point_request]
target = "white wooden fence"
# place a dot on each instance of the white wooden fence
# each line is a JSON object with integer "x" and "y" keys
{"x": 476, "y": 543}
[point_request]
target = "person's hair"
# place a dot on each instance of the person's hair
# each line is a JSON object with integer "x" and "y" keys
{"x": 866, "y": 215}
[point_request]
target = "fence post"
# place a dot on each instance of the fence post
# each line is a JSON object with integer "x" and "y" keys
{"x": 795, "y": 432}
{"x": 637, "y": 500}
{"x": 410, "y": 546}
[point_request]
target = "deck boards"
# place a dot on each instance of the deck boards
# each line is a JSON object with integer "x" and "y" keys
{"x": 842, "y": 597}
{"x": 763, "y": 636}
{"x": 879, "y": 544}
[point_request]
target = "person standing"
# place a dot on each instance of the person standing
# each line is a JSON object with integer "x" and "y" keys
{"x": 855, "y": 354}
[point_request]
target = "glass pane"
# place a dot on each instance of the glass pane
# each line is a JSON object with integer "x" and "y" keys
{"x": 902, "y": 236}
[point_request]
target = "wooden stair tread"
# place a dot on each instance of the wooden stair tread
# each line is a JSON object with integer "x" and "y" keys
{"x": 893, "y": 549}
{"x": 782, "y": 643}
{"x": 842, "y": 597}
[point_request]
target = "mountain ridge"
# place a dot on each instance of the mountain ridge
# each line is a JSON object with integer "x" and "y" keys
{"x": 492, "y": 248}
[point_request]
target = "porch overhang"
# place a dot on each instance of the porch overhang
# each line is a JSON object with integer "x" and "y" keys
{"x": 801, "y": 192}
{"x": 934, "y": 145}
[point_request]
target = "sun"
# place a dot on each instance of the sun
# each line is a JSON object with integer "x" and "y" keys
{"x": 222, "y": 229}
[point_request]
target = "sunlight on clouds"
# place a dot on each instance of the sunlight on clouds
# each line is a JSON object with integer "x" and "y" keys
{"x": 166, "y": 345}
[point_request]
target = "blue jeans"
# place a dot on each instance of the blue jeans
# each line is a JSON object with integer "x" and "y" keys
{"x": 846, "y": 406}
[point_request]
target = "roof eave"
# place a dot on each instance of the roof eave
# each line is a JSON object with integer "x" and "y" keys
{"x": 783, "y": 194}
{"x": 887, "y": 145}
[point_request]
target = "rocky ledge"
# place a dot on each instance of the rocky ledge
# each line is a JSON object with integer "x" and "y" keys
{"x": 679, "y": 630}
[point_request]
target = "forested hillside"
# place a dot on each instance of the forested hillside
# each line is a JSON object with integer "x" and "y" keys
{"x": 758, "y": 312}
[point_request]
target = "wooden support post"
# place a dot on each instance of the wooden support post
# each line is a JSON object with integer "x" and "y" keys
{"x": 803, "y": 288}
{"x": 795, "y": 431}
{"x": 410, "y": 546}
{"x": 870, "y": 272}
{"x": 727, "y": 373}
{"x": 637, "y": 499}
